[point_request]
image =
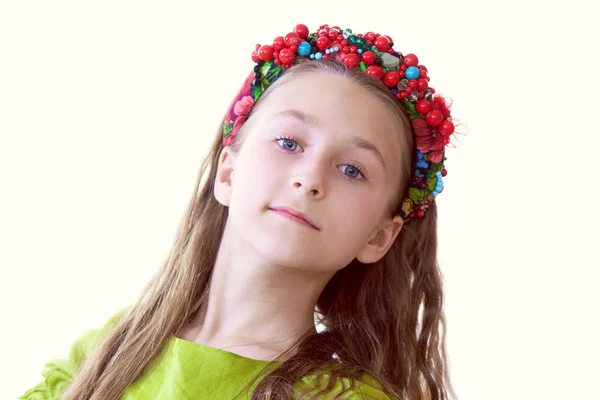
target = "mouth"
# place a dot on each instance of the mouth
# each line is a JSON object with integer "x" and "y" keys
{"x": 295, "y": 216}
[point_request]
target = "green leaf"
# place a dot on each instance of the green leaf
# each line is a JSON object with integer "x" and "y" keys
{"x": 227, "y": 130}
{"x": 412, "y": 110}
{"x": 265, "y": 68}
{"x": 431, "y": 180}
{"x": 436, "y": 167}
{"x": 418, "y": 195}
{"x": 273, "y": 73}
{"x": 256, "y": 92}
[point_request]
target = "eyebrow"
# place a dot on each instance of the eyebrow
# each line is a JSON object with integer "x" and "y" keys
{"x": 312, "y": 121}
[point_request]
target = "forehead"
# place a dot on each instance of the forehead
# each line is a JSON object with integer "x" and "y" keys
{"x": 338, "y": 105}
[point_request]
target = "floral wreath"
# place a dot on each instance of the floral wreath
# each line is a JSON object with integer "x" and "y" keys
{"x": 432, "y": 124}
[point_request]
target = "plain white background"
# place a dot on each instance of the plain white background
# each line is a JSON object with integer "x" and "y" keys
{"x": 107, "y": 108}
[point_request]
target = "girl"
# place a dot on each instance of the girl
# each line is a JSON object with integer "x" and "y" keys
{"x": 317, "y": 197}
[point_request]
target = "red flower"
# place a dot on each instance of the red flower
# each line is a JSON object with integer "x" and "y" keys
{"x": 429, "y": 140}
{"x": 241, "y": 109}
{"x": 228, "y": 141}
{"x": 243, "y": 106}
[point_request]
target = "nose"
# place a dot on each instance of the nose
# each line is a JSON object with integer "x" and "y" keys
{"x": 311, "y": 177}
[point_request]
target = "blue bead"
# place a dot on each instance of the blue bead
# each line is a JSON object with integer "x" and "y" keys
{"x": 312, "y": 56}
{"x": 318, "y": 56}
{"x": 394, "y": 91}
{"x": 304, "y": 48}
{"x": 359, "y": 51}
{"x": 412, "y": 73}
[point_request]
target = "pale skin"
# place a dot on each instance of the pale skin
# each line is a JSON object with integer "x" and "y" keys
{"x": 270, "y": 270}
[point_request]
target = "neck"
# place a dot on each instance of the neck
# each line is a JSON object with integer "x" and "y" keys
{"x": 256, "y": 308}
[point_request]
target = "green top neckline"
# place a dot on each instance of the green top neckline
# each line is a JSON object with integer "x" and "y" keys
{"x": 222, "y": 353}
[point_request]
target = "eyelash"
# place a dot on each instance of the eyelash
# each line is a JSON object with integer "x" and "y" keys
{"x": 351, "y": 164}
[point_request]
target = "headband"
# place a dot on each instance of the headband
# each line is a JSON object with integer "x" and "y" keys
{"x": 433, "y": 127}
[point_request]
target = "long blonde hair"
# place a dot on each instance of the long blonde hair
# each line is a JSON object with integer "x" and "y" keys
{"x": 371, "y": 314}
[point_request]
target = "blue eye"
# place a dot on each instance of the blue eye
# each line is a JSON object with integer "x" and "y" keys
{"x": 287, "y": 142}
{"x": 289, "y": 145}
{"x": 354, "y": 170}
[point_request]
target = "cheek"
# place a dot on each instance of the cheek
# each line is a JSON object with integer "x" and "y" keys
{"x": 360, "y": 210}
{"x": 256, "y": 173}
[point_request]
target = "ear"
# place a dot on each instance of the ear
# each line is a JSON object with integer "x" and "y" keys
{"x": 381, "y": 240}
{"x": 225, "y": 176}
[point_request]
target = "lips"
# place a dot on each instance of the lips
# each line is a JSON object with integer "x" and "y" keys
{"x": 295, "y": 213}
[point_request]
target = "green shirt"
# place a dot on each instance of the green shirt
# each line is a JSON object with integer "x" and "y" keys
{"x": 183, "y": 370}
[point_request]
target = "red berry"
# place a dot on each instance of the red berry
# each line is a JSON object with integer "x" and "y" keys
{"x": 344, "y": 42}
{"x": 403, "y": 94}
{"x": 446, "y": 127}
{"x": 301, "y": 30}
{"x": 440, "y": 104}
{"x": 333, "y": 35}
{"x": 346, "y": 49}
{"x": 353, "y": 49}
{"x": 382, "y": 43}
{"x": 255, "y": 56}
{"x": 422, "y": 84}
{"x": 391, "y": 78}
{"x": 323, "y": 43}
{"x": 420, "y": 213}
{"x": 287, "y": 56}
{"x": 422, "y": 68}
{"x": 265, "y": 53}
{"x": 413, "y": 83}
{"x": 279, "y": 43}
{"x": 423, "y": 107}
{"x": 351, "y": 60}
{"x": 375, "y": 70}
{"x": 410, "y": 60}
{"x": 399, "y": 95}
{"x": 434, "y": 118}
{"x": 444, "y": 172}
{"x": 408, "y": 90}
{"x": 294, "y": 48}
{"x": 290, "y": 37}
{"x": 368, "y": 57}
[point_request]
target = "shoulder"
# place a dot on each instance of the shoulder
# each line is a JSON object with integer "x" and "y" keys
{"x": 58, "y": 373}
{"x": 367, "y": 387}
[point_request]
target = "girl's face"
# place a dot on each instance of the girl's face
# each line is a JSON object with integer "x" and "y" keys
{"x": 322, "y": 145}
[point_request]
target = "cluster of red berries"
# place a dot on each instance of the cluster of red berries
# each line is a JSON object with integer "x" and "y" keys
{"x": 373, "y": 53}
